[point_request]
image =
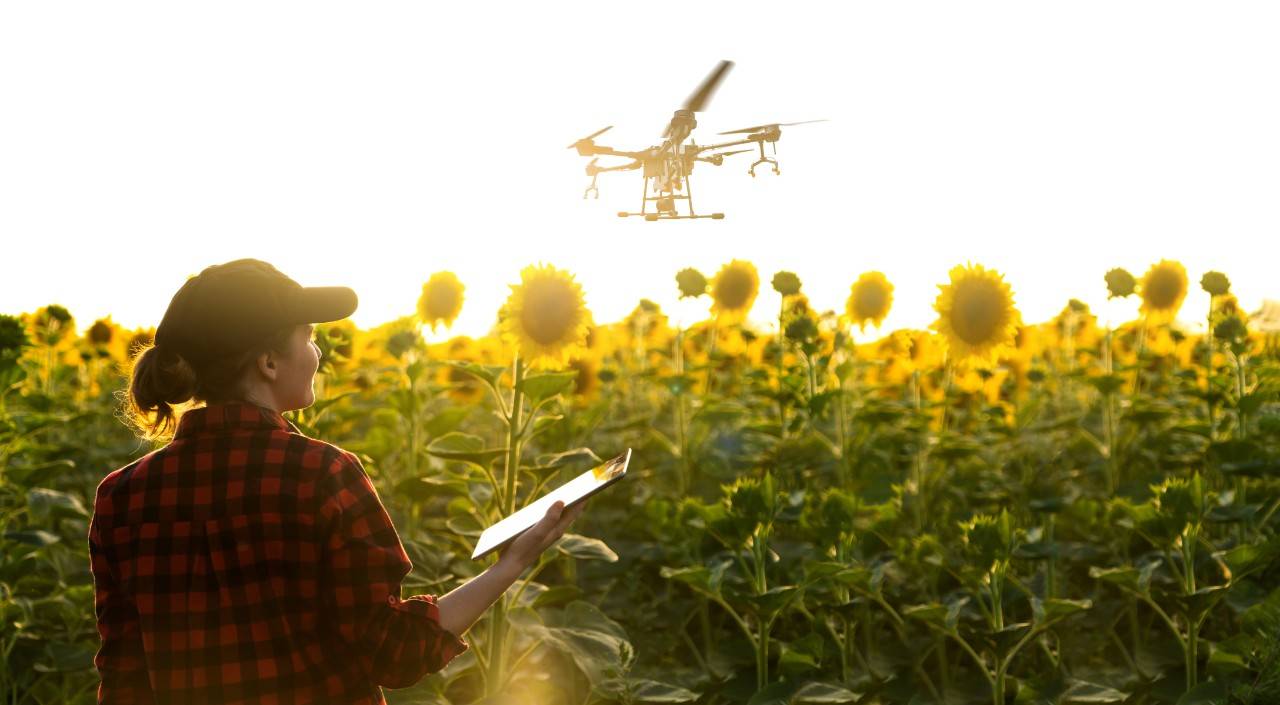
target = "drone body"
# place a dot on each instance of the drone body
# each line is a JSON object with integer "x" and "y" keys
{"x": 667, "y": 166}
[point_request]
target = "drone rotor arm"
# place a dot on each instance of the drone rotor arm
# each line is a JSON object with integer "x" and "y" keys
{"x": 768, "y": 127}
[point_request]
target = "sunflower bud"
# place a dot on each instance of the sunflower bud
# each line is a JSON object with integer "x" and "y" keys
{"x": 100, "y": 333}
{"x": 786, "y": 283}
{"x": 1120, "y": 283}
{"x": 691, "y": 282}
{"x": 802, "y": 329}
{"x": 1216, "y": 283}
{"x": 1231, "y": 329}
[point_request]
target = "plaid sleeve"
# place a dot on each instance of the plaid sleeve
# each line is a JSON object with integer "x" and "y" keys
{"x": 398, "y": 640}
{"x": 120, "y": 660}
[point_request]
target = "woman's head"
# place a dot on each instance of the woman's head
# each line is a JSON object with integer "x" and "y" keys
{"x": 239, "y": 331}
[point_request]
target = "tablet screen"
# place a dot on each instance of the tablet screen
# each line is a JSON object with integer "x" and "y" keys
{"x": 575, "y": 490}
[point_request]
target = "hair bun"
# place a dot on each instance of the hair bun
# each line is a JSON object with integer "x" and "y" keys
{"x": 161, "y": 379}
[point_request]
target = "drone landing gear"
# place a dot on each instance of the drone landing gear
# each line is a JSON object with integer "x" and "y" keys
{"x": 592, "y": 189}
{"x": 665, "y": 202}
{"x": 652, "y": 217}
{"x": 764, "y": 160}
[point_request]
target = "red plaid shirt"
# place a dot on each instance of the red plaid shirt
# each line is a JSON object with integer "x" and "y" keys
{"x": 247, "y": 563}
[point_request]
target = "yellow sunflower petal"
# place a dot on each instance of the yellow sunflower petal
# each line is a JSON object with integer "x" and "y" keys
{"x": 546, "y": 317}
{"x": 976, "y": 314}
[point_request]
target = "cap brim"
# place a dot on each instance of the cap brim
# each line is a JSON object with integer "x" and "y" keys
{"x": 321, "y": 304}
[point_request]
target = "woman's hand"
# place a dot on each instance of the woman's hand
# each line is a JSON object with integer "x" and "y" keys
{"x": 527, "y": 547}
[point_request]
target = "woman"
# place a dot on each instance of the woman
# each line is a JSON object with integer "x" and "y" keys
{"x": 245, "y": 562}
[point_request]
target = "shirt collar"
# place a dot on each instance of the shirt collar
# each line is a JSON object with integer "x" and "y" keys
{"x": 224, "y": 417}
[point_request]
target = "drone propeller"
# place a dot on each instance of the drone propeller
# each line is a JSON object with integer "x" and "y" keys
{"x": 697, "y": 101}
{"x": 770, "y": 126}
{"x": 591, "y": 136}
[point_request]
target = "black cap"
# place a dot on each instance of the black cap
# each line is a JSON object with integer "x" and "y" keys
{"x": 229, "y": 308}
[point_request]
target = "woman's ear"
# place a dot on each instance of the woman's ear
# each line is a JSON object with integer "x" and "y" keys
{"x": 266, "y": 364}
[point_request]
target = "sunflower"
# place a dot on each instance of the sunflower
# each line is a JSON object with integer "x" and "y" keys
{"x": 786, "y": 283}
{"x": 734, "y": 289}
{"x": 691, "y": 283}
{"x": 869, "y": 300}
{"x": 1164, "y": 286}
{"x": 1215, "y": 283}
{"x": 976, "y": 314}
{"x": 587, "y": 383}
{"x": 441, "y": 299}
{"x": 50, "y": 325}
{"x": 545, "y": 317}
{"x": 1120, "y": 283}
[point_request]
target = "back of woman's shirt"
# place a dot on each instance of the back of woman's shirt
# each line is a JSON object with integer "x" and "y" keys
{"x": 247, "y": 563}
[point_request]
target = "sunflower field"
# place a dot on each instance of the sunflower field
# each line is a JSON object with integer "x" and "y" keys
{"x": 989, "y": 511}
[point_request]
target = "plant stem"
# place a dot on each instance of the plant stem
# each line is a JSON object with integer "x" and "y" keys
{"x": 494, "y": 679}
{"x": 1208, "y": 366}
{"x": 782, "y": 404}
{"x": 1109, "y": 414}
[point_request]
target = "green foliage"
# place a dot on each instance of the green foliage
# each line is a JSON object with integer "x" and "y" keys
{"x": 808, "y": 521}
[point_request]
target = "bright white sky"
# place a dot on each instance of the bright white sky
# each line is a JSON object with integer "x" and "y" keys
{"x": 371, "y": 144}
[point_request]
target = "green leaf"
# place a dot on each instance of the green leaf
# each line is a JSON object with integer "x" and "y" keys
{"x": 548, "y": 384}
{"x": 445, "y": 420}
{"x": 486, "y": 373}
{"x": 775, "y": 599}
{"x": 598, "y": 645}
{"x": 823, "y": 693}
{"x": 34, "y": 537}
{"x": 1251, "y": 558}
{"x": 1053, "y": 610}
{"x": 557, "y": 595}
{"x": 555, "y": 460}
{"x": 776, "y": 693}
{"x": 1125, "y": 576}
{"x": 1251, "y": 402}
{"x": 1106, "y": 384}
{"x": 1208, "y": 693}
{"x": 1198, "y": 603}
{"x": 463, "y": 446}
{"x": 43, "y": 502}
{"x": 644, "y": 690}
{"x": 585, "y": 548}
{"x": 1004, "y": 640}
{"x": 942, "y": 617}
{"x": 63, "y": 658}
{"x": 465, "y": 525}
{"x": 701, "y": 578}
{"x": 1083, "y": 692}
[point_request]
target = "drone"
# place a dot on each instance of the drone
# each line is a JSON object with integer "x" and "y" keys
{"x": 668, "y": 166}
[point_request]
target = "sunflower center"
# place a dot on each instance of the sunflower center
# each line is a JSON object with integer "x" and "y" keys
{"x": 734, "y": 289}
{"x": 1162, "y": 289}
{"x": 442, "y": 301}
{"x": 549, "y": 311}
{"x": 977, "y": 312}
{"x": 870, "y": 301}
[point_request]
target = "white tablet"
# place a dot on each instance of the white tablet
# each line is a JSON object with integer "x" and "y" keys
{"x": 571, "y": 492}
